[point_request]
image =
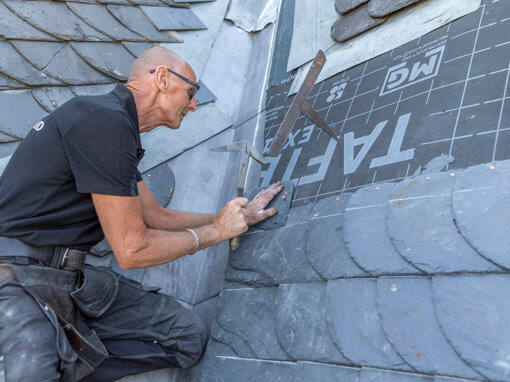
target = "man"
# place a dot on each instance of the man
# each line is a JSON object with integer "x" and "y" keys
{"x": 72, "y": 179}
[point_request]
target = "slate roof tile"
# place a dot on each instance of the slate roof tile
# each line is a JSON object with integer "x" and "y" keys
{"x": 98, "y": 17}
{"x": 19, "y": 112}
{"x": 38, "y": 53}
{"x": 9, "y": 83}
{"x": 7, "y": 145}
{"x": 110, "y": 58}
{"x": 204, "y": 95}
{"x": 134, "y": 19}
{"x": 344, "y": 6}
{"x": 354, "y": 23}
{"x": 381, "y": 8}
{"x": 93, "y": 89}
{"x": 308, "y": 371}
{"x": 375, "y": 375}
{"x": 167, "y": 18}
{"x": 52, "y": 97}
{"x": 137, "y": 48}
{"x": 161, "y": 181}
{"x": 355, "y": 301}
{"x": 179, "y": 4}
{"x": 12, "y": 27}
{"x": 406, "y": 311}
{"x": 247, "y": 278}
{"x": 14, "y": 65}
{"x": 55, "y": 19}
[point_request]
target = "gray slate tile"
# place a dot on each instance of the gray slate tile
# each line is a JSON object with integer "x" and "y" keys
{"x": 19, "y": 112}
{"x": 407, "y": 315}
{"x": 481, "y": 209}
{"x": 301, "y": 323}
{"x": 366, "y": 236}
{"x": 93, "y": 89}
{"x": 353, "y": 321}
{"x": 244, "y": 321}
{"x": 99, "y": 17}
{"x": 381, "y": 8}
{"x": 16, "y": 66}
{"x": 301, "y": 214}
{"x": 109, "y": 58}
{"x": 310, "y": 371}
{"x": 192, "y": 1}
{"x": 354, "y": 23}
{"x": 134, "y": 19}
{"x": 326, "y": 249}
{"x": 247, "y": 278}
{"x": 38, "y": 53}
{"x": 375, "y": 375}
{"x": 438, "y": 378}
{"x": 70, "y": 68}
{"x": 12, "y": 27}
{"x": 420, "y": 224}
{"x": 161, "y": 181}
{"x": 52, "y": 97}
{"x": 204, "y": 95}
{"x": 7, "y": 148}
{"x": 474, "y": 312}
{"x": 173, "y": 19}
{"x": 55, "y": 19}
{"x": 136, "y": 48}
{"x": 344, "y": 6}
{"x": 9, "y": 83}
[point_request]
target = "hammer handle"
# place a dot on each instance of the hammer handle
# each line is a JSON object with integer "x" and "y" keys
{"x": 234, "y": 243}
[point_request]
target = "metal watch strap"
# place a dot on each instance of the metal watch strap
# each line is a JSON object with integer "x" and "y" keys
{"x": 197, "y": 239}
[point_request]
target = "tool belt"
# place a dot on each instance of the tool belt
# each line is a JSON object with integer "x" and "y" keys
{"x": 17, "y": 252}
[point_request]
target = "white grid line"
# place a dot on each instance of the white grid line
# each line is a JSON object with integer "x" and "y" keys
{"x": 355, "y": 92}
{"x": 501, "y": 114}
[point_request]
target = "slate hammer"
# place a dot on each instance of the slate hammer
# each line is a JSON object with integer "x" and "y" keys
{"x": 247, "y": 150}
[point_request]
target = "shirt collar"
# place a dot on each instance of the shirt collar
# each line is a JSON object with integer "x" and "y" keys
{"x": 128, "y": 102}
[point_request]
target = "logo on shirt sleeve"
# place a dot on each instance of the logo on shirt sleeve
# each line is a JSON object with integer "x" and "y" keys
{"x": 38, "y": 126}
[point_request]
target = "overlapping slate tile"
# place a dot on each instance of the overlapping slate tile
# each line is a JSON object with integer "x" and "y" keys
{"x": 173, "y": 19}
{"x": 420, "y": 224}
{"x": 12, "y": 27}
{"x": 38, "y": 53}
{"x": 300, "y": 323}
{"x": 52, "y": 97}
{"x": 353, "y": 321}
{"x": 244, "y": 322}
{"x": 9, "y": 83}
{"x": 354, "y": 23}
{"x": 344, "y": 6}
{"x": 481, "y": 209}
{"x": 366, "y": 236}
{"x": 93, "y": 89}
{"x": 14, "y": 65}
{"x": 161, "y": 181}
{"x": 137, "y": 48}
{"x": 474, "y": 312}
{"x": 326, "y": 249}
{"x": 438, "y": 378}
{"x": 98, "y": 16}
{"x": 311, "y": 371}
{"x": 109, "y": 58}
{"x": 55, "y": 19}
{"x": 407, "y": 315}
{"x": 381, "y": 8}
{"x": 134, "y": 19}
{"x": 204, "y": 95}
{"x": 19, "y": 112}
{"x": 375, "y": 375}
{"x": 247, "y": 278}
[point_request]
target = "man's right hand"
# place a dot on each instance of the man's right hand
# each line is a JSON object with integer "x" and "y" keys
{"x": 232, "y": 220}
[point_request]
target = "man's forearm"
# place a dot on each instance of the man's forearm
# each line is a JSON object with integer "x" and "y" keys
{"x": 173, "y": 220}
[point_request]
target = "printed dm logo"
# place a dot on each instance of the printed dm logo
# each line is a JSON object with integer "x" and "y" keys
{"x": 408, "y": 72}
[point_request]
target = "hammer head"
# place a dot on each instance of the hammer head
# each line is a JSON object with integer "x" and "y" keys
{"x": 242, "y": 147}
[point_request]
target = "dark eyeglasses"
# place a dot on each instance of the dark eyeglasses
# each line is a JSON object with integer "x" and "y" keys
{"x": 195, "y": 85}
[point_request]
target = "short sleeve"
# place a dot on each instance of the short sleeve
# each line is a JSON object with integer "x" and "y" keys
{"x": 102, "y": 154}
{"x": 138, "y": 176}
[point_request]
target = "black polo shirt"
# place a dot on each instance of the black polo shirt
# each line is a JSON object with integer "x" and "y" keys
{"x": 91, "y": 144}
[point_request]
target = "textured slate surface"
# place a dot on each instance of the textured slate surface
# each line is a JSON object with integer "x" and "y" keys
{"x": 381, "y": 8}
{"x": 364, "y": 343}
{"x": 232, "y": 369}
{"x": 481, "y": 210}
{"x": 353, "y": 24}
{"x": 326, "y": 250}
{"x": 407, "y": 312}
{"x": 52, "y": 97}
{"x": 19, "y": 112}
{"x": 38, "y": 53}
{"x": 366, "y": 235}
{"x": 420, "y": 224}
{"x": 300, "y": 323}
{"x": 161, "y": 181}
{"x": 165, "y": 18}
{"x": 344, "y": 6}
{"x": 204, "y": 95}
{"x": 136, "y": 48}
{"x": 307, "y": 371}
{"x": 93, "y": 89}
{"x": 12, "y": 27}
{"x": 373, "y": 375}
{"x": 474, "y": 312}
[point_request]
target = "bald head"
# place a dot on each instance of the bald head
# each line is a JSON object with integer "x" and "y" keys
{"x": 154, "y": 57}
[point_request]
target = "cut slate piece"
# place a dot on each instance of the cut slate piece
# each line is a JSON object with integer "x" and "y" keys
{"x": 474, "y": 312}
{"x": 421, "y": 227}
{"x": 134, "y": 19}
{"x": 173, "y": 3}
{"x": 309, "y": 371}
{"x": 52, "y": 97}
{"x": 55, "y": 19}
{"x": 204, "y": 95}
{"x": 38, "y": 53}
{"x": 300, "y": 324}
{"x": 109, "y": 58}
{"x": 98, "y": 16}
{"x": 14, "y": 65}
{"x": 374, "y": 375}
{"x": 161, "y": 181}
{"x": 381, "y": 8}
{"x": 247, "y": 278}
{"x": 137, "y": 48}
{"x": 344, "y": 6}
{"x": 353, "y": 322}
{"x": 19, "y": 112}
{"x": 246, "y": 314}
{"x": 12, "y": 27}
{"x": 9, "y": 83}
{"x": 437, "y": 164}
{"x": 281, "y": 202}
{"x": 93, "y": 89}
{"x": 366, "y": 236}
{"x": 354, "y": 23}
{"x": 326, "y": 249}
{"x": 407, "y": 315}
{"x": 481, "y": 210}
{"x": 252, "y": 15}
{"x": 173, "y": 19}
{"x": 70, "y": 68}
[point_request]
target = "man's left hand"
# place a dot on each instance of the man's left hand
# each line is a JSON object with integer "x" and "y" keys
{"x": 255, "y": 209}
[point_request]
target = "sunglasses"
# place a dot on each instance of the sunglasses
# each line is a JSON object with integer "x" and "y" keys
{"x": 195, "y": 85}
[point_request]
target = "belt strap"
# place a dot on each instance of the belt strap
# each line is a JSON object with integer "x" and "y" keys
{"x": 55, "y": 257}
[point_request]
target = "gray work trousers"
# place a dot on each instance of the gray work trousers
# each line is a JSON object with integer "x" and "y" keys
{"x": 141, "y": 330}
